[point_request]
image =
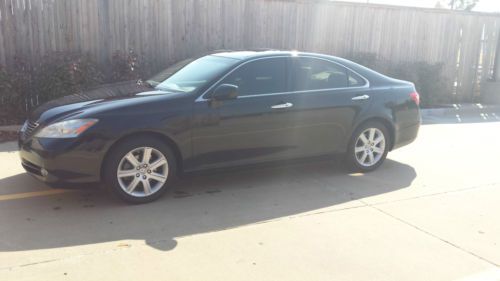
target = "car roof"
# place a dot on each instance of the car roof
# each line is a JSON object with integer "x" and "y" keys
{"x": 244, "y": 55}
{"x": 258, "y": 53}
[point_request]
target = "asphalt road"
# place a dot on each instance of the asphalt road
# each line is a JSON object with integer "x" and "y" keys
{"x": 431, "y": 212}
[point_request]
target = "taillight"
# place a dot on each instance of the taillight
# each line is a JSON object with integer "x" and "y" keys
{"x": 415, "y": 97}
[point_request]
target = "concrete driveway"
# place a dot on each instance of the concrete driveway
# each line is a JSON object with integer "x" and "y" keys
{"x": 431, "y": 212}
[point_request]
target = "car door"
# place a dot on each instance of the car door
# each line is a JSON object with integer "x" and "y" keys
{"x": 249, "y": 128}
{"x": 326, "y": 98}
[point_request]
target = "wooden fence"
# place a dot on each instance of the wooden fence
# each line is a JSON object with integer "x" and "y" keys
{"x": 170, "y": 30}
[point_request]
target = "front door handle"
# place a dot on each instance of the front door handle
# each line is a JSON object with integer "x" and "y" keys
{"x": 283, "y": 105}
{"x": 363, "y": 97}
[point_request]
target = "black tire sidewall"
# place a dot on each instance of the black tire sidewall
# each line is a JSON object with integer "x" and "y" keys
{"x": 116, "y": 154}
{"x": 350, "y": 155}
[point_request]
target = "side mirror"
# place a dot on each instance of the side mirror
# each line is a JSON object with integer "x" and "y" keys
{"x": 225, "y": 92}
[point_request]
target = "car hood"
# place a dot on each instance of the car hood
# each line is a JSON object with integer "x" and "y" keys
{"x": 103, "y": 96}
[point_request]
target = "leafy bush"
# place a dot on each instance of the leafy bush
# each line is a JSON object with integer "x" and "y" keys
{"x": 21, "y": 78}
{"x": 61, "y": 74}
{"x": 5, "y": 86}
{"x": 58, "y": 74}
{"x": 14, "y": 89}
{"x": 127, "y": 66}
{"x": 6, "y": 96}
{"x": 428, "y": 78}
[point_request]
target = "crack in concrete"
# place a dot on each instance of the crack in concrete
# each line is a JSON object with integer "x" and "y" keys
{"x": 431, "y": 234}
{"x": 435, "y": 194}
{"x": 12, "y": 267}
{"x": 364, "y": 204}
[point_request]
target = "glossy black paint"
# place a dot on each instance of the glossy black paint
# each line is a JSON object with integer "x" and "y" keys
{"x": 208, "y": 133}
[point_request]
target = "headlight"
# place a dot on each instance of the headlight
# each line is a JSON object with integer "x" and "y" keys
{"x": 66, "y": 129}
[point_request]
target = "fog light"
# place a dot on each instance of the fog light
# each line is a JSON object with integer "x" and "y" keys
{"x": 44, "y": 172}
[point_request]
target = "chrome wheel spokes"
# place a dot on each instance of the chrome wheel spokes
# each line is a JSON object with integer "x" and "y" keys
{"x": 142, "y": 171}
{"x": 369, "y": 147}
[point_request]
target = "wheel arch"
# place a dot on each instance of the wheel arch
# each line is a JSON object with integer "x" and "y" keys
{"x": 164, "y": 138}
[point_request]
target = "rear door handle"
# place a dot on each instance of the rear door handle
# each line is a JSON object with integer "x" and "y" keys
{"x": 363, "y": 97}
{"x": 283, "y": 105}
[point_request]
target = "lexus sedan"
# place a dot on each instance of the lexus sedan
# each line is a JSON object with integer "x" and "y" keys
{"x": 221, "y": 110}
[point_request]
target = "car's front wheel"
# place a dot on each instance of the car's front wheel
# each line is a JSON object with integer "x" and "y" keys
{"x": 368, "y": 147}
{"x": 139, "y": 169}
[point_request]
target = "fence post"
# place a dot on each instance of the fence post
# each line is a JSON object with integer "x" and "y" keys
{"x": 496, "y": 69}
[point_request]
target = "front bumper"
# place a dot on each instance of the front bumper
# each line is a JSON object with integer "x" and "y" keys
{"x": 61, "y": 160}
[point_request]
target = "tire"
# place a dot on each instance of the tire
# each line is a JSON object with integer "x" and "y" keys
{"x": 140, "y": 180}
{"x": 369, "y": 148}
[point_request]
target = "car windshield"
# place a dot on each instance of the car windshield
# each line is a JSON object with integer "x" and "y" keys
{"x": 192, "y": 75}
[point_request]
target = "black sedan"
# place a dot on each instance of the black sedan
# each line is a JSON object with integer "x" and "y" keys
{"x": 221, "y": 110}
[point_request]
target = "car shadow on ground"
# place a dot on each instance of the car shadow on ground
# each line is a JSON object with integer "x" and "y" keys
{"x": 199, "y": 203}
{"x": 10, "y": 146}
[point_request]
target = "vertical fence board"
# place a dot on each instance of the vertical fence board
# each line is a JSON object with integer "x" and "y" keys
{"x": 3, "y": 12}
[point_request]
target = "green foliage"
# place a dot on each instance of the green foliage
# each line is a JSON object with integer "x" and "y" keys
{"x": 10, "y": 99}
{"x": 428, "y": 78}
{"x": 7, "y": 96}
{"x": 58, "y": 74}
{"x": 61, "y": 74}
{"x": 24, "y": 86}
{"x": 5, "y": 85}
{"x": 14, "y": 88}
{"x": 127, "y": 66}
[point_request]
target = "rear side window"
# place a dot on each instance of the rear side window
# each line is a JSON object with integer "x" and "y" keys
{"x": 315, "y": 74}
{"x": 264, "y": 76}
{"x": 355, "y": 80}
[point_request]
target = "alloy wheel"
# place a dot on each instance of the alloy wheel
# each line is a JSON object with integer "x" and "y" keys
{"x": 369, "y": 147}
{"x": 142, "y": 171}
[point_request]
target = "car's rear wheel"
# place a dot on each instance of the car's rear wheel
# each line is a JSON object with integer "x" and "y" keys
{"x": 139, "y": 169}
{"x": 368, "y": 147}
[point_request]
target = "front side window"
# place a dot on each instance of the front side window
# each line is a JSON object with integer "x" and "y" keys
{"x": 314, "y": 74}
{"x": 196, "y": 74}
{"x": 264, "y": 76}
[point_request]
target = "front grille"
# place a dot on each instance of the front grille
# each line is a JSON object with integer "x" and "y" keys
{"x": 29, "y": 128}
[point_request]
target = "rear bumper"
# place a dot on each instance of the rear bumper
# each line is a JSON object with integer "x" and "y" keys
{"x": 60, "y": 160}
{"x": 406, "y": 135}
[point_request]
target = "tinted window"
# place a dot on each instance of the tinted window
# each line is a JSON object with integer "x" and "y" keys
{"x": 196, "y": 74}
{"x": 264, "y": 76}
{"x": 355, "y": 80}
{"x": 315, "y": 74}
{"x": 164, "y": 74}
